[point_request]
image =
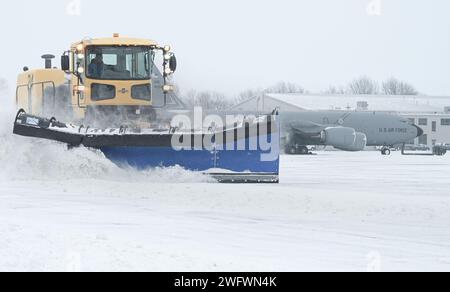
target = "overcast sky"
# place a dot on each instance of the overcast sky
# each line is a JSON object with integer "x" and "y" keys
{"x": 231, "y": 45}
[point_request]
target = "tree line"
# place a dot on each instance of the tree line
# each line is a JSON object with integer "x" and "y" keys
{"x": 213, "y": 100}
{"x": 391, "y": 86}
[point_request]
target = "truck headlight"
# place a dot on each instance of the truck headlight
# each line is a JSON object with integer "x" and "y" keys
{"x": 168, "y": 71}
{"x": 79, "y": 88}
{"x": 167, "y": 88}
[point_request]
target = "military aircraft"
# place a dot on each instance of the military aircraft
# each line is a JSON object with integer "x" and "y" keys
{"x": 345, "y": 130}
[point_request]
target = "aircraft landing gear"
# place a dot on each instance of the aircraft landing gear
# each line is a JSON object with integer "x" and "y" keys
{"x": 296, "y": 150}
{"x": 385, "y": 151}
{"x": 303, "y": 150}
{"x": 439, "y": 151}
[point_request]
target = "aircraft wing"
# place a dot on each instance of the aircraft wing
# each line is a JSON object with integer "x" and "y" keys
{"x": 306, "y": 128}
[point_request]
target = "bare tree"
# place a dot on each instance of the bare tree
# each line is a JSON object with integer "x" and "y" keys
{"x": 248, "y": 94}
{"x": 208, "y": 100}
{"x": 188, "y": 98}
{"x": 393, "y": 86}
{"x": 363, "y": 85}
{"x": 335, "y": 90}
{"x": 285, "y": 88}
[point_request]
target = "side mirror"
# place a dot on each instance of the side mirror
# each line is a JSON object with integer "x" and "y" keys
{"x": 173, "y": 63}
{"x": 147, "y": 67}
{"x": 65, "y": 63}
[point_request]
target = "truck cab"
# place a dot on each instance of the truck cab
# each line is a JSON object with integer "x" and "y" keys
{"x": 102, "y": 82}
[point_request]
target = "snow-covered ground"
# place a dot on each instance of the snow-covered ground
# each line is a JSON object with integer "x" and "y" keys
{"x": 72, "y": 210}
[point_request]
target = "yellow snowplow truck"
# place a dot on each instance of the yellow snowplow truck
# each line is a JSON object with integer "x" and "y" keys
{"x": 101, "y": 82}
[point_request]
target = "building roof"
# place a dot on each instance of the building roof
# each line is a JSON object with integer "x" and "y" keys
{"x": 423, "y": 104}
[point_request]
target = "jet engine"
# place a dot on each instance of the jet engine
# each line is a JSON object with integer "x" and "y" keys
{"x": 359, "y": 145}
{"x": 338, "y": 136}
{"x": 343, "y": 138}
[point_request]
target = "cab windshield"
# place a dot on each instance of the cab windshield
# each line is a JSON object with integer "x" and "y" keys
{"x": 119, "y": 63}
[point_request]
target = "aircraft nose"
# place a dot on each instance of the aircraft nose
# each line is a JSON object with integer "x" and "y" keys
{"x": 419, "y": 131}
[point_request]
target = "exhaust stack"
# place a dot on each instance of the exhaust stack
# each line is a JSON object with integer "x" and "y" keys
{"x": 48, "y": 61}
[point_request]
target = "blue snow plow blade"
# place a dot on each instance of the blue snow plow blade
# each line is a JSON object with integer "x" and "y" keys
{"x": 243, "y": 154}
{"x": 248, "y": 163}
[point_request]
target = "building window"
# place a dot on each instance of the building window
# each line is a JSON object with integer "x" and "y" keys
{"x": 423, "y": 140}
{"x": 423, "y": 122}
{"x": 434, "y": 126}
{"x": 445, "y": 122}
